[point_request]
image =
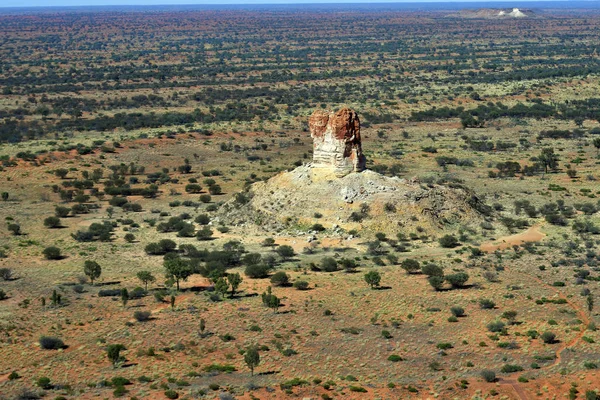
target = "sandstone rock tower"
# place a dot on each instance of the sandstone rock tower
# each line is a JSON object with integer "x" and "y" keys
{"x": 336, "y": 141}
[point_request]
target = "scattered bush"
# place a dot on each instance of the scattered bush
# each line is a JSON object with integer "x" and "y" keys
{"x": 142, "y": 316}
{"x": 488, "y": 375}
{"x": 410, "y": 266}
{"x": 52, "y": 222}
{"x": 51, "y": 343}
{"x": 6, "y": 274}
{"x": 457, "y": 280}
{"x": 432, "y": 270}
{"x": 280, "y": 279}
{"x": 457, "y": 311}
{"x": 257, "y": 271}
{"x": 548, "y": 337}
{"x": 52, "y": 253}
{"x": 328, "y": 264}
{"x": 301, "y": 285}
{"x": 220, "y": 368}
{"x": 510, "y": 368}
{"x": 448, "y": 241}
{"x": 436, "y": 282}
{"x": 496, "y": 326}
{"x": 486, "y": 304}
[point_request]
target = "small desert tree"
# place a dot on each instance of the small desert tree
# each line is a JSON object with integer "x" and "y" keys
{"x": 177, "y": 269}
{"x": 221, "y": 286}
{"x": 92, "y": 270}
{"x": 549, "y": 159}
{"x": 235, "y": 281}
{"x": 274, "y": 302}
{"x": 146, "y": 277}
{"x": 270, "y": 300}
{"x": 373, "y": 278}
{"x": 61, "y": 173}
{"x": 124, "y": 297}
{"x": 252, "y": 358}
{"x": 113, "y": 353}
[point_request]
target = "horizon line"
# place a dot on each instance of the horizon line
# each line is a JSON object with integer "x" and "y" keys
{"x": 161, "y": 3}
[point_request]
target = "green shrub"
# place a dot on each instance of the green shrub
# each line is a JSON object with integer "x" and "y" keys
{"x": 548, "y": 337}
{"x": 509, "y": 368}
{"x": 448, "y": 241}
{"x": 496, "y": 326}
{"x": 52, "y": 253}
{"x": 457, "y": 311}
{"x": 120, "y": 381}
{"x": 590, "y": 365}
{"x": 280, "y": 278}
{"x": 52, "y": 222}
{"x": 142, "y": 316}
{"x": 457, "y": 280}
{"x": 486, "y": 304}
{"x": 317, "y": 228}
{"x": 301, "y": 285}
{"x": 256, "y": 271}
{"x": 44, "y": 383}
{"x": 437, "y": 282}
{"x": 289, "y": 352}
{"x": 410, "y": 266}
{"x": 488, "y": 375}
{"x": 171, "y": 394}
{"x": 51, "y": 343}
{"x": 329, "y": 264}
{"x": 395, "y": 358}
{"x": 432, "y": 270}
{"x": 220, "y": 368}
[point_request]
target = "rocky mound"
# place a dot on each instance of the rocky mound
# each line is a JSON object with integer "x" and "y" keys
{"x": 336, "y": 192}
{"x": 370, "y": 201}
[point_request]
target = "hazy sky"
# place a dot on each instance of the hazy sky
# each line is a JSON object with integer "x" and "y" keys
{"x": 48, "y": 3}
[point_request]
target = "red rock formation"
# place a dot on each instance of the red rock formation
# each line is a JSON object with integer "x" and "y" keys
{"x": 336, "y": 141}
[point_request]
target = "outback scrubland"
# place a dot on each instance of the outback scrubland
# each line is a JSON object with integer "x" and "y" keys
{"x": 137, "y": 146}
